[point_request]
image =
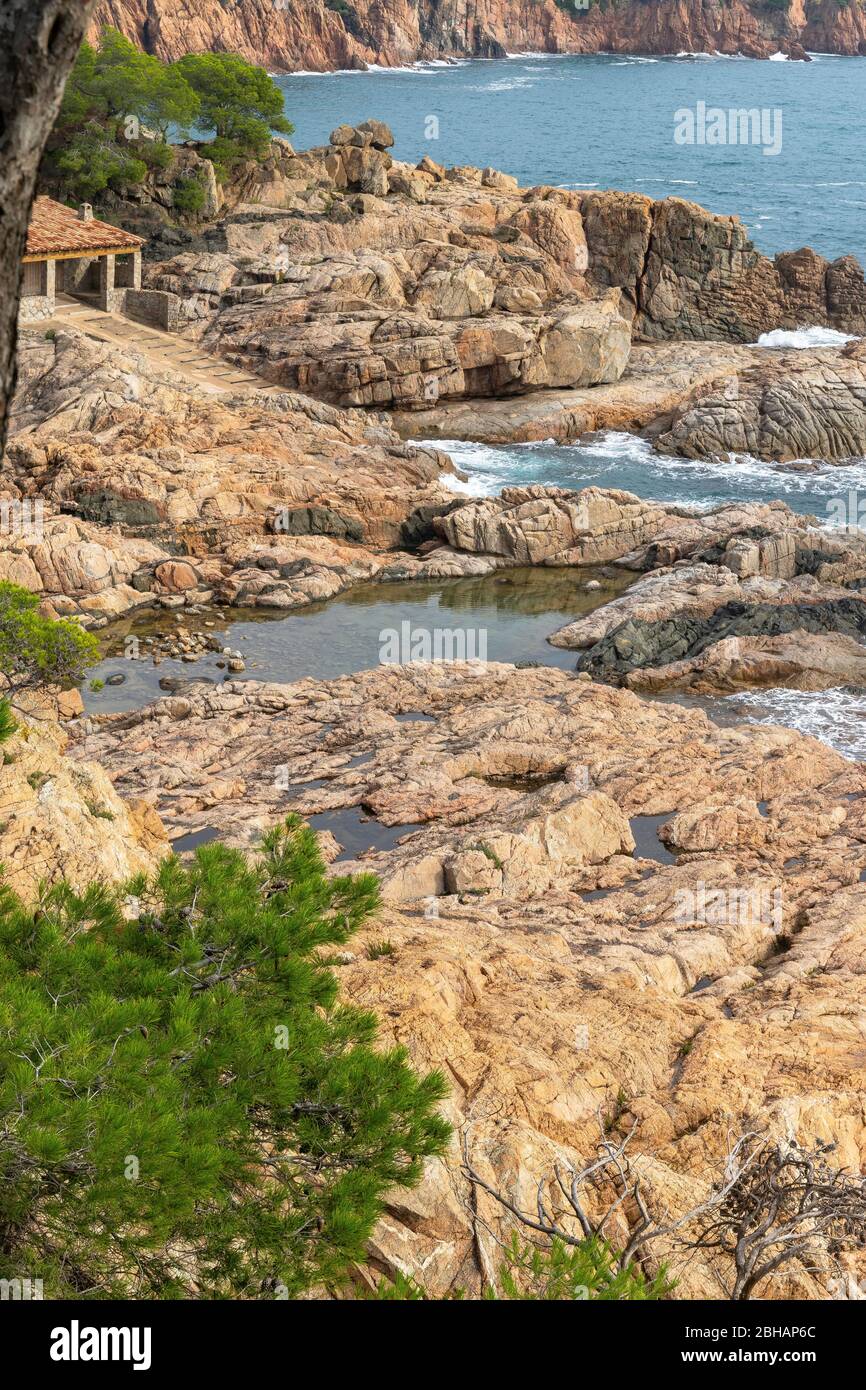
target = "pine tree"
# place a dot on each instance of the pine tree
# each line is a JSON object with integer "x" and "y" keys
{"x": 36, "y": 651}
{"x": 550, "y": 1272}
{"x": 8, "y": 723}
{"x": 186, "y": 1107}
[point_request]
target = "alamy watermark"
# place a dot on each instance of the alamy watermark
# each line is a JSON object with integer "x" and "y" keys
{"x": 716, "y": 125}
{"x": 25, "y": 518}
{"x": 407, "y": 644}
{"x": 729, "y": 907}
{"x": 21, "y": 1290}
{"x": 847, "y": 513}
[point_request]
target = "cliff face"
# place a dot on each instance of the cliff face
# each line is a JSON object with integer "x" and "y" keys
{"x": 310, "y": 35}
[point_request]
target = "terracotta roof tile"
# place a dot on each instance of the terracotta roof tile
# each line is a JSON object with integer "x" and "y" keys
{"x": 55, "y": 229}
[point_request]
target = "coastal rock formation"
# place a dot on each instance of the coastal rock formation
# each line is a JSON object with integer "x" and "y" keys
{"x": 366, "y": 282}
{"x": 479, "y": 292}
{"x": 690, "y": 400}
{"x": 706, "y": 982}
{"x": 405, "y": 360}
{"x": 739, "y": 645}
{"x": 63, "y": 819}
{"x": 693, "y": 274}
{"x": 795, "y": 660}
{"x": 314, "y": 35}
{"x": 793, "y": 405}
{"x": 260, "y": 493}
{"x": 78, "y": 567}
{"x": 541, "y": 525}
{"x": 743, "y": 595}
{"x": 656, "y": 383}
{"x": 775, "y": 602}
{"x": 557, "y": 526}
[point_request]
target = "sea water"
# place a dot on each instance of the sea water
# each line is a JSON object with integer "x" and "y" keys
{"x": 609, "y": 121}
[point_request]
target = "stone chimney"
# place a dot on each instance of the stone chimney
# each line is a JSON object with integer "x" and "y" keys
{"x": 85, "y": 213}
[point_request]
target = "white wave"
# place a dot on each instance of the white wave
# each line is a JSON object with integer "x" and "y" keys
{"x": 809, "y": 478}
{"x": 708, "y": 57}
{"x": 803, "y": 338}
{"x": 466, "y": 487}
{"x": 837, "y": 716}
{"x": 779, "y": 58}
{"x": 330, "y": 72}
{"x": 489, "y": 469}
{"x": 617, "y": 444}
{"x": 505, "y": 84}
{"x": 615, "y": 459}
{"x": 385, "y": 67}
{"x": 421, "y": 66}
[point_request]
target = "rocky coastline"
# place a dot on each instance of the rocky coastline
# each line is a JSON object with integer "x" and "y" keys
{"x": 547, "y": 840}
{"x": 318, "y": 36}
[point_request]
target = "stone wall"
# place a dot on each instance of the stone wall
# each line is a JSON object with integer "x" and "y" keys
{"x": 157, "y": 307}
{"x": 35, "y": 308}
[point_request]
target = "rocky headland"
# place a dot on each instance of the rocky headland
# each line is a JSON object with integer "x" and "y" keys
{"x": 472, "y": 308}
{"x": 322, "y": 35}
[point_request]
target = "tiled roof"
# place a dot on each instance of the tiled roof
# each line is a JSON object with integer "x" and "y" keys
{"x": 55, "y": 229}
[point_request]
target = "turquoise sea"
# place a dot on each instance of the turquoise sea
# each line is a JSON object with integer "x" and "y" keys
{"x": 608, "y": 122}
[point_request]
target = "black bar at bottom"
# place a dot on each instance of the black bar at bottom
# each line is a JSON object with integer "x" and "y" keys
{"x": 86, "y": 1340}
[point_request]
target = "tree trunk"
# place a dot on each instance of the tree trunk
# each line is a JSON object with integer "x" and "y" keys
{"x": 38, "y": 43}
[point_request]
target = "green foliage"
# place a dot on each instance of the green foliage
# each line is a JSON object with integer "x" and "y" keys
{"x": 89, "y": 162}
{"x": 155, "y": 155}
{"x": 186, "y": 1108}
{"x": 189, "y": 196}
{"x": 238, "y": 102}
{"x": 587, "y": 1272}
{"x": 36, "y": 651}
{"x": 117, "y": 81}
{"x": 225, "y": 155}
{"x": 8, "y": 725}
{"x": 403, "y": 1288}
{"x": 488, "y": 852}
{"x": 377, "y": 949}
{"x": 118, "y": 98}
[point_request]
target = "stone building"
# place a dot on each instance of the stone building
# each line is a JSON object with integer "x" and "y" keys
{"x": 73, "y": 253}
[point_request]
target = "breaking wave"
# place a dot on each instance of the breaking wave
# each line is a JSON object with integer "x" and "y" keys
{"x": 804, "y": 338}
